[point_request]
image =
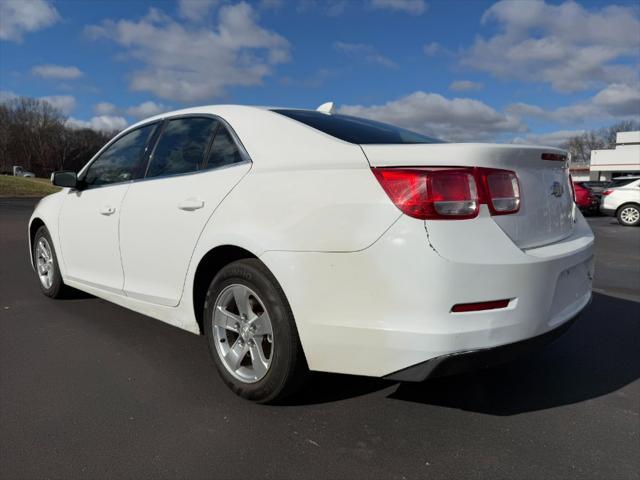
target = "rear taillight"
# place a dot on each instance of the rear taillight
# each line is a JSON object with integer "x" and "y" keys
{"x": 503, "y": 191}
{"x": 450, "y": 193}
{"x": 607, "y": 192}
{"x": 573, "y": 188}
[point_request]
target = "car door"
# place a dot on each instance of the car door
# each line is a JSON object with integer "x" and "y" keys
{"x": 195, "y": 163}
{"x": 88, "y": 221}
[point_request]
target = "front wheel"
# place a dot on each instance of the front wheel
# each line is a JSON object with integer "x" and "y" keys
{"x": 629, "y": 215}
{"x": 252, "y": 334}
{"x": 46, "y": 264}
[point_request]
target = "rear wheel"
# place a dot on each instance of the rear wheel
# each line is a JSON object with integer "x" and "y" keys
{"x": 252, "y": 334}
{"x": 629, "y": 215}
{"x": 46, "y": 265}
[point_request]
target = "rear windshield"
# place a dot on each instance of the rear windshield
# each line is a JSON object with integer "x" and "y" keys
{"x": 356, "y": 130}
{"x": 622, "y": 182}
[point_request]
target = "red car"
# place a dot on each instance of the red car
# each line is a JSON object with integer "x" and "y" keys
{"x": 586, "y": 200}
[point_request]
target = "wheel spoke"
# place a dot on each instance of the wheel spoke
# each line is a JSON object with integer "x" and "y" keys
{"x": 235, "y": 355}
{"x": 262, "y": 325}
{"x": 225, "y": 319}
{"x": 258, "y": 360}
{"x": 241, "y": 297}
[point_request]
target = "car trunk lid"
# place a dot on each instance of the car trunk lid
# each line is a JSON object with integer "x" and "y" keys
{"x": 546, "y": 212}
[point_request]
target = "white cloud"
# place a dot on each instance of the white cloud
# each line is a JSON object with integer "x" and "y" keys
{"x": 187, "y": 63}
{"x": 105, "y": 108}
{"x": 57, "y": 71}
{"x": 412, "y": 7}
{"x": 102, "y": 123}
{"x": 331, "y": 8}
{"x": 196, "y": 10}
{"x": 430, "y": 49}
{"x": 565, "y": 45}
{"x": 18, "y": 17}
{"x": 614, "y": 102}
{"x": 465, "y": 85}
{"x": 457, "y": 119}
{"x": 552, "y": 139}
{"x": 147, "y": 109}
{"x": 7, "y": 95}
{"x": 65, "y": 103}
{"x": 365, "y": 52}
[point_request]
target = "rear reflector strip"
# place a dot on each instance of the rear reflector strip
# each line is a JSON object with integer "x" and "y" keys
{"x": 476, "y": 307}
{"x": 554, "y": 157}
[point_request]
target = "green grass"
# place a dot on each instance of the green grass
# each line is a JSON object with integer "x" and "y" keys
{"x": 25, "y": 187}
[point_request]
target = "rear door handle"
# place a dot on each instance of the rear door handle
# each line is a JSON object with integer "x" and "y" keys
{"x": 191, "y": 204}
{"x": 107, "y": 210}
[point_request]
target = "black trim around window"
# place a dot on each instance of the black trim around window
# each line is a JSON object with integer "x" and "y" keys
{"x": 153, "y": 142}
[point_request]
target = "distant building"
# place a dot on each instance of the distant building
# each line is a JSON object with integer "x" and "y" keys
{"x": 622, "y": 160}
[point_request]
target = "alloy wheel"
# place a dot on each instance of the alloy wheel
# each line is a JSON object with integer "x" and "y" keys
{"x": 242, "y": 333}
{"x": 44, "y": 263}
{"x": 629, "y": 215}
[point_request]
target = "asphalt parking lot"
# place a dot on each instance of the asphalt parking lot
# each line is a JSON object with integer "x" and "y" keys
{"x": 91, "y": 390}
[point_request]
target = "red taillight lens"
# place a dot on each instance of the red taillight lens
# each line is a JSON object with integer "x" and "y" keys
{"x": 450, "y": 193}
{"x": 503, "y": 191}
{"x": 607, "y": 192}
{"x": 573, "y": 188}
{"x": 431, "y": 194}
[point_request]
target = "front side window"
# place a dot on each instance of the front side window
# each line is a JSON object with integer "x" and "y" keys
{"x": 224, "y": 150}
{"x": 182, "y": 146}
{"x": 123, "y": 160}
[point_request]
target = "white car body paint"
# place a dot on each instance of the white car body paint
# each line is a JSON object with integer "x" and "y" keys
{"x": 627, "y": 194}
{"x": 371, "y": 289}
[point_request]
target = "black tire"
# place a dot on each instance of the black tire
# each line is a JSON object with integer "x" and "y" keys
{"x": 623, "y": 219}
{"x": 288, "y": 368}
{"x": 57, "y": 289}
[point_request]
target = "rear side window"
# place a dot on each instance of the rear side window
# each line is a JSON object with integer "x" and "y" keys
{"x": 356, "y": 130}
{"x": 123, "y": 160}
{"x": 182, "y": 146}
{"x": 224, "y": 150}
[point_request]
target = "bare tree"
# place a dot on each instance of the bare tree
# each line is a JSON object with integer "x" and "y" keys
{"x": 36, "y": 135}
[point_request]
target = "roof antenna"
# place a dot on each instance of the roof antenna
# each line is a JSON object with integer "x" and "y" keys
{"x": 328, "y": 108}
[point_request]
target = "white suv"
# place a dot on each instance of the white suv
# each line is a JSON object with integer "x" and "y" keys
{"x": 623, "y": 201}
{"x": 298, "y": 239}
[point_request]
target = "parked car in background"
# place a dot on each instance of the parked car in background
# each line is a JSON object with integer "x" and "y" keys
{"x": 21, "y": 172}
{"x": 301, "y": 239}
{"x": 623, "y": 201}
{"x": 586, "y": 200}
{"x": 596, "y": 186}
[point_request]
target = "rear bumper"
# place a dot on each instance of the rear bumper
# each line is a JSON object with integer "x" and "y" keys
{"x": 461, "y": 362}
{"x": 389, "y": 307}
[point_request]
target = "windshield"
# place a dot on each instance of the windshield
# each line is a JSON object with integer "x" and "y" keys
{"x": 356, "y": 130}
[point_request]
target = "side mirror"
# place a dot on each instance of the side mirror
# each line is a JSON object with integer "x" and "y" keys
{"x": 65, "y": 178}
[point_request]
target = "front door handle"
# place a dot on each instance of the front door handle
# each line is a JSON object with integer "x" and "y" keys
{"x": 191, "y": 204}
{"x": 107, "y": 210}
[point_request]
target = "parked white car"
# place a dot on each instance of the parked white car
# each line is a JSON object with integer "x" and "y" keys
{"x": 297, "y": 239}
{"x": 623, "y": 201}
{"x": 18, "y": 171}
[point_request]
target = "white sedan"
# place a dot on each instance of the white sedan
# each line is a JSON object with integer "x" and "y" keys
{"x": 301, "y": 240}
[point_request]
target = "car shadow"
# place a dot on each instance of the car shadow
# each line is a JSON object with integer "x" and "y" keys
{"x": 598, "y": 355}
{"x": 332, "y": 387}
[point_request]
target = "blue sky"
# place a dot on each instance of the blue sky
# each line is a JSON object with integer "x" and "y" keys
{"x": 461, "y": 70}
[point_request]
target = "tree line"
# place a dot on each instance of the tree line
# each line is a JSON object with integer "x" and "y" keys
{"x": 580, "y": 146}
{"x": 37, "y": 137}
